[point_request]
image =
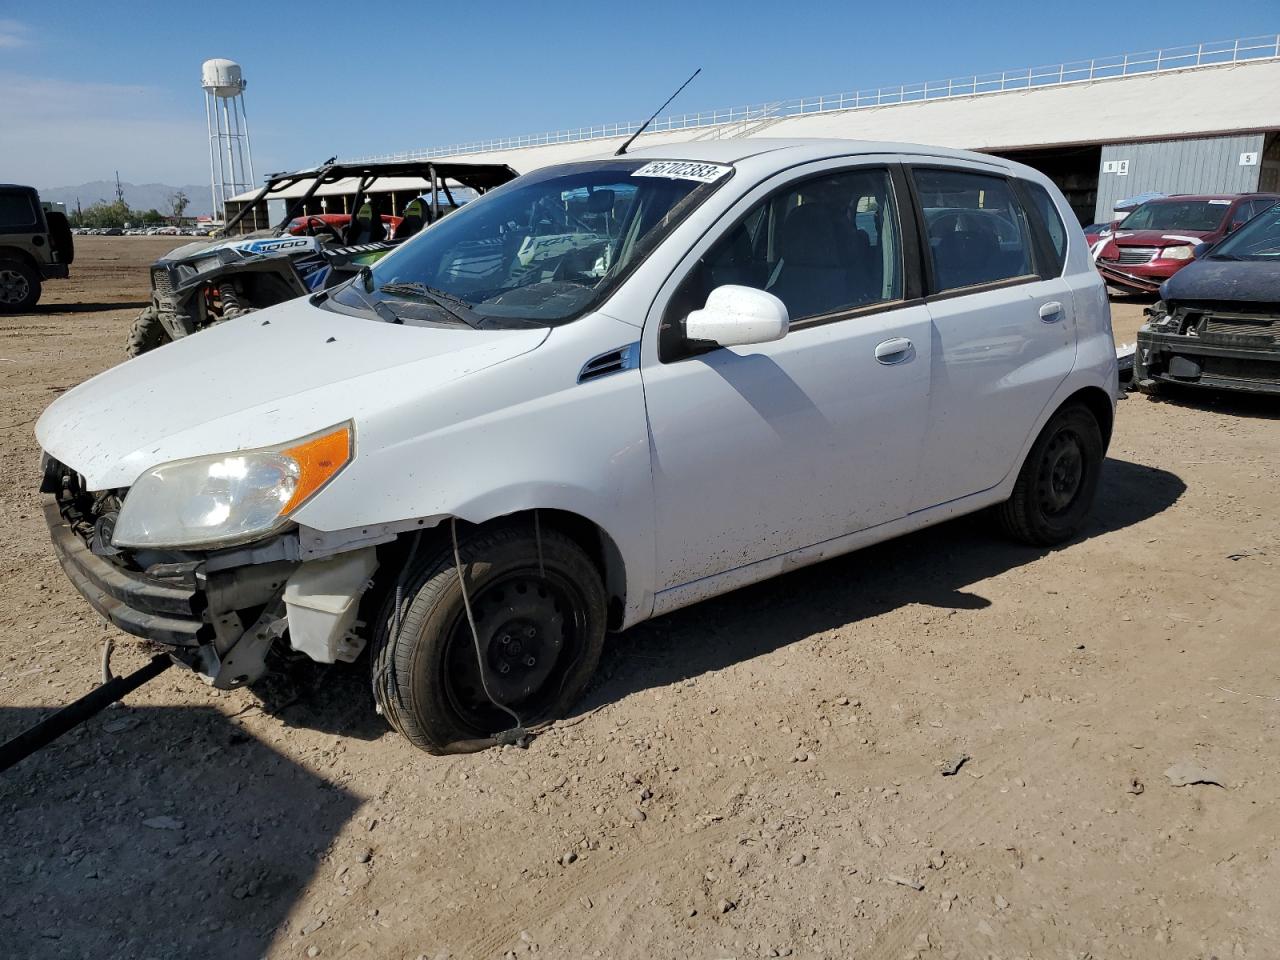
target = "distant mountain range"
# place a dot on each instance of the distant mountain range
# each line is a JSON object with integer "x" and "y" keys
{"x": 139, "y": 196}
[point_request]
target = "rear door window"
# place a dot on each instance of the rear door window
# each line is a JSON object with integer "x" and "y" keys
{"x": 977, "y": 231}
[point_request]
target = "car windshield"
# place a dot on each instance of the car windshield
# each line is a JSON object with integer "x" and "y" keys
{"x": 542, "y": 249}
{"x": 1259, "y": 239}
{"x": 1203, "y": 216}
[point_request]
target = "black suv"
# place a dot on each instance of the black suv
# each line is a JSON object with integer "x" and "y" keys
{"x": 35, "y": 245}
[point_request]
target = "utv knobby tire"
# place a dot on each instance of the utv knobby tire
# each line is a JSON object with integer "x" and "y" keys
{"x": 146, "y": 334}
{"x": 19, "y": 286}
{"x": 1033, "y": 514}
{"x": 418, "y": 680}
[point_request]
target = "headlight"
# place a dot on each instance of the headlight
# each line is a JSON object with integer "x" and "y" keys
{"x": 230, "y": 498}
{"x": 1183, "y": 252}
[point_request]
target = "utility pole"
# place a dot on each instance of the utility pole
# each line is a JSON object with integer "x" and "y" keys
{"x": 119, "y": 189}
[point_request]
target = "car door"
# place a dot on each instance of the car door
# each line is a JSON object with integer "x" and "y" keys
{"x": 759, "y": 450}
{"x": 1002, "y": 325}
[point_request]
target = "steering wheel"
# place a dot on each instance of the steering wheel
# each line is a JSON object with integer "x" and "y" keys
{"x": 313, "y": 226}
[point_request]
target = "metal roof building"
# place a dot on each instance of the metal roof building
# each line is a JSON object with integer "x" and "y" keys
{"x": 1089, "y": 124}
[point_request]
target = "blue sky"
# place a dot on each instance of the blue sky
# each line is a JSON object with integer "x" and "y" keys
{"x": 92, "y": 87}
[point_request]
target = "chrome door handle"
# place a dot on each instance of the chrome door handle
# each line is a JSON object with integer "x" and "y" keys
{"x": 1051, "y": 312}
{"x": 897, "y": 350}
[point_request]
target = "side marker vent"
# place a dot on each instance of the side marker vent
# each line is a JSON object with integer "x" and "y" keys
{"x": 611, "y": 361}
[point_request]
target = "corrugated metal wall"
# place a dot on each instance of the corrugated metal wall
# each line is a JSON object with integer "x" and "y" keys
{"x": 1210, "y": 165}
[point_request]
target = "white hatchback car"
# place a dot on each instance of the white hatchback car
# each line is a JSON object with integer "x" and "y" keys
{"x": 601, "y": 392}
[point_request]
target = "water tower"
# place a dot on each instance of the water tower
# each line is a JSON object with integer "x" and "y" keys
{"x": 230, "y": 155}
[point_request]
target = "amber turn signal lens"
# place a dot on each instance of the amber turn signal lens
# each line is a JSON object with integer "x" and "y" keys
{"x": 319, "y": 459}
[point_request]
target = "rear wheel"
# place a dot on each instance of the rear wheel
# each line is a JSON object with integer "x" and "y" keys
{"x": 19, "y": 286}
{"x": 146, "y": 334}
{"x": 1057, "y": 483}
{"x": 539, "y": 619}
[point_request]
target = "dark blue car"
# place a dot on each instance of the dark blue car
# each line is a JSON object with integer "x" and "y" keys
{"x": 1217, "y": 323}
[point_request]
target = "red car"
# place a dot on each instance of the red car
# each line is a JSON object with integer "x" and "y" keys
{"x": 1159, "y": 238}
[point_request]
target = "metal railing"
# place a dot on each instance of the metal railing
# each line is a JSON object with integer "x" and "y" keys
{"x": 1214, "y": 53}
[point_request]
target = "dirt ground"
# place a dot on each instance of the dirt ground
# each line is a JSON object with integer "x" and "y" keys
{"x": 756, "y": 776}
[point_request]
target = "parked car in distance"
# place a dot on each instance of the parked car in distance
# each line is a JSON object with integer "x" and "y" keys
{"x": 1158, "y": 239}
{"x": 603, "y": 391}
{"x": 35, "y": 245}
{"x": 1217, "y": 323}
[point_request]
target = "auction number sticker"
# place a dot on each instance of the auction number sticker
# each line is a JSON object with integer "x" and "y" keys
{"x": 683, "y": 170}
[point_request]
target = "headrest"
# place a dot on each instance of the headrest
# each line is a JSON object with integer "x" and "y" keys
{"x": 600, "y": 201}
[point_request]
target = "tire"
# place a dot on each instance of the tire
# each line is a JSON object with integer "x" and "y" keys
{"x": 146, "y": 334}
{"x": 545, "y": 632}
{"x": 19, "y": 286}
{"x": 1058, "y": 481}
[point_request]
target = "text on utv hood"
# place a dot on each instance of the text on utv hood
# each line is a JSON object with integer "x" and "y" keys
{"x": 259, "y": 380}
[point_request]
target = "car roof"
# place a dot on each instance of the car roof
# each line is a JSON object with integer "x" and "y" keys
{"x": 801, "y": 150}
{"x": 1204, "y": 197}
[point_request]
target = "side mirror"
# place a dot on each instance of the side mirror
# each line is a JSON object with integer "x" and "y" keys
{"x": 1200, "y": 249}
{"x": 737, "y": 316}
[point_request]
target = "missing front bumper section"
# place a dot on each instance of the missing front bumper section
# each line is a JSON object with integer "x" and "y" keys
{"x": 219, "y": 613}
{"x": 1206, "y": 362}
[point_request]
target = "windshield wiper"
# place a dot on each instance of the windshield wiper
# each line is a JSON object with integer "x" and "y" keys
{"x": 454, "y": 306}
{"x": 357, "y": 283}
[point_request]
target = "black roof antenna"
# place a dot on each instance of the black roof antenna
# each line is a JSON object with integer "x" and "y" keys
{"x": 631, "y": 139}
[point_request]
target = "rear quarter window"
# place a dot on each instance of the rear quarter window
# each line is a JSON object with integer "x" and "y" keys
{"x": 17, "y": 210}
{"x": 1047, "y": 212}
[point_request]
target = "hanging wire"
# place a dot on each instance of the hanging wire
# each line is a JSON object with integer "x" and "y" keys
{"x": 475, "y": 634}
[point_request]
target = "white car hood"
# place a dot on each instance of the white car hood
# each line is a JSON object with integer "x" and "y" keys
{"x": 259, "y": 380}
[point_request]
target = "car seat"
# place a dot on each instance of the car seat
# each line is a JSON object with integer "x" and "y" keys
{"x": 367, "y": 225}
{"x": 416, "y": 216}
{"x": 817, "y": 250}
{"x": 963, "y": 258}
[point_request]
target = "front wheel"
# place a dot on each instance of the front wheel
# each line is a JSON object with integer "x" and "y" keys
{"x": 146, "y": 334}
{"x": 1057, "y": 483}
{"x": 539, "y": 613}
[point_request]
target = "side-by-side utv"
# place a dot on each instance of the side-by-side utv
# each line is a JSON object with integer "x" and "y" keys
{"x": 232, "y": 273}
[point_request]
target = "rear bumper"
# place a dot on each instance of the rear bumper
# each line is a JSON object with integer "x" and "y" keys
{"x": 152, "y": 609}
{"x": 1175, "y": 358}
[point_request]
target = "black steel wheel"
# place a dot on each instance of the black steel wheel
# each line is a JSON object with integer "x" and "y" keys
{"x": 539, "y": 621}
{"x": 1057, "y": 484}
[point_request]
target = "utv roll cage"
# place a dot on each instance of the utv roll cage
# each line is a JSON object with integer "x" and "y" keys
{"x": 479, "y": 177}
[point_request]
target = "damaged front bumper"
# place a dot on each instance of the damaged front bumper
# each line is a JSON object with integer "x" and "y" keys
{"x": 1129, "y": 281}
{"x": 218, "y": 612}
{"x": 1200, "y": 348}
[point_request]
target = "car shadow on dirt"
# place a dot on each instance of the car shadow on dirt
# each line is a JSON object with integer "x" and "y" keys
{"x": 156, "y": 832}
{"x": 1254, "y": 406}
{"x": 934, "y": 567}
{"x": 45, "y": 309}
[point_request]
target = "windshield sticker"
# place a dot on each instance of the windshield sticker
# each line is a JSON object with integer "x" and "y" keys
{"x": 683, "y": 170}
{"x": 1220, "y": 202}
